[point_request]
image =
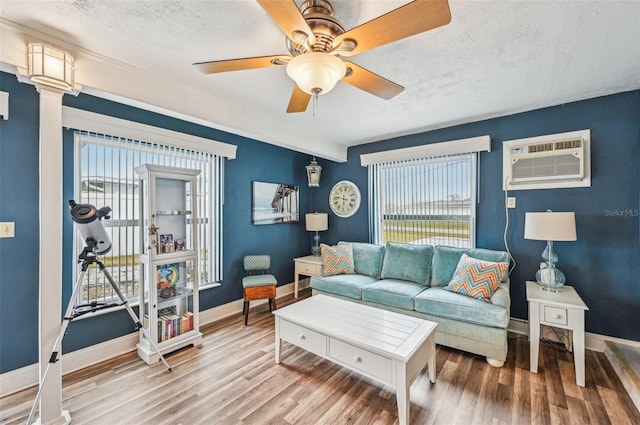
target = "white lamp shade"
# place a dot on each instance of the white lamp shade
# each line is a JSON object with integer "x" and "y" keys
{"x": 316, "y": 72}
{"x": 550, "y": 226}
{"x": 50, "y": 66}
{"x": 317, "y": 222}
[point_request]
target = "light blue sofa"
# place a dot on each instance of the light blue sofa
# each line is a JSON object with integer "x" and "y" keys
{"x": 410, "y": 279}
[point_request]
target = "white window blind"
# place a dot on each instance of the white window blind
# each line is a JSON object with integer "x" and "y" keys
{"x": 105, "y": 176}
{"x": 428, "y": 201}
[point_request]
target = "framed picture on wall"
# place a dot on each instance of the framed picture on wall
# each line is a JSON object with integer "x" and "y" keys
{"x": 275, "y": 203}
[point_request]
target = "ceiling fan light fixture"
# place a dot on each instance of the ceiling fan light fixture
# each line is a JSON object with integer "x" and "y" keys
{"x": 316, "y": 73}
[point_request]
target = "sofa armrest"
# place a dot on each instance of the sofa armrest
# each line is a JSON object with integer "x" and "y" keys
{"x": 502, "y": 297}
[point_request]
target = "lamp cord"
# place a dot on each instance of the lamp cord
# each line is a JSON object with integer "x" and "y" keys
{"x": 506, "y": 226}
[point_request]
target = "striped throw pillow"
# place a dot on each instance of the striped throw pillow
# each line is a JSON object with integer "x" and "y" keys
{"x": 477, "y": 278}
{"x": 337, "y": 259}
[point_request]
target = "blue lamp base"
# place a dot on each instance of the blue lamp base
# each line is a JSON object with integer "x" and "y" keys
{"x": 315, "y": 249}
{"x": 549, "y": 277}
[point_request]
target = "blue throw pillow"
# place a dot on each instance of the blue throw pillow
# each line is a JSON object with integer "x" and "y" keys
{"x": 407, "y": 262}
{"x": 367, "y": 258}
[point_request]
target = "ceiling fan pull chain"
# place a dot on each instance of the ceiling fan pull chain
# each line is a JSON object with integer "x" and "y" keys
{"x": 315, "y": 102}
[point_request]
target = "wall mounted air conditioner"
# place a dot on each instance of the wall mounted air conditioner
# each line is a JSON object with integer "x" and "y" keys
{"x": 546, "y": 162}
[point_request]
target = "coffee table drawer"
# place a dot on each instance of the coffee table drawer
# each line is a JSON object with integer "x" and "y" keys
{"x": 303, "y": 337}
{"x": 360, "y": 359}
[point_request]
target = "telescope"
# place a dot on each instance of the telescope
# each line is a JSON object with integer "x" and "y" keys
{"x": 89, "y": 221}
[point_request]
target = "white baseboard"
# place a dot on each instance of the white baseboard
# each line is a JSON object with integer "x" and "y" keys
{"x": 25, "y": 377}
{"x": 594, "y": 342}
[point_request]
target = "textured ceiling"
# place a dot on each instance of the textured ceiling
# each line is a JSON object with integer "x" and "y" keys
{"x": 494, "y": 58}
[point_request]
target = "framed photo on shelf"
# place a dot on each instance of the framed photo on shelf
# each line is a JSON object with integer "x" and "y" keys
{"x": 275, "y": 203}
{"x": 166, "y": 242}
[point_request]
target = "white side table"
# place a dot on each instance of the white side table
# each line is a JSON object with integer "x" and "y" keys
{"x": 306, "y": 266}
{"x": 563, "y": 309}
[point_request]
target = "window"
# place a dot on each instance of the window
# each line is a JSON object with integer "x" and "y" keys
{"x": 425, "y": 195}
{"x": 105, "y": 176}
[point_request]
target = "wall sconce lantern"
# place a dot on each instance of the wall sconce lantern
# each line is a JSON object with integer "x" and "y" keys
{"x": 313, "y": 173}
{"x": 50, "y": 66}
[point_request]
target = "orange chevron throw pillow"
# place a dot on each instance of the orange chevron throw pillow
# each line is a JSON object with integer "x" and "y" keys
{"x": 477, "y": 278}
{"x": 337, "y": 259}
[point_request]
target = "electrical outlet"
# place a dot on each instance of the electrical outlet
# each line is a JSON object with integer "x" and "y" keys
{"x": 7, "y": 229}
{"x": 511, "y": 202}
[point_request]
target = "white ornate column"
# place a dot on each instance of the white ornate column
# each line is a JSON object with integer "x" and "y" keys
{"x": 51, "y": 69}
{"x": 50, "y": 254}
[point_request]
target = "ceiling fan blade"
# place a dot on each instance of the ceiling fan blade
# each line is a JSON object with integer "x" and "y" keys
{"x": 286, "y": 14}
{"x": 405, "y": 21}
{"x": 299, "y": 100}
{"x": 370, "y": 82}
{"x": 226, "y": 65}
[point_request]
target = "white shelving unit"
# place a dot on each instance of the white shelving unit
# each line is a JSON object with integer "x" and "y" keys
{"x": 168, "y": 259}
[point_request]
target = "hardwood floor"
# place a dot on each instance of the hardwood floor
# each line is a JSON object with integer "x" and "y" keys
{"x": 232, "y": 379}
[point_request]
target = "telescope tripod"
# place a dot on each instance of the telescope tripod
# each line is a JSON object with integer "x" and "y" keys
{"x": 89, "y": 257}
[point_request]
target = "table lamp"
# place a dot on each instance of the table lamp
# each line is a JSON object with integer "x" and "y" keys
{"x": 316, "y": 222}
{"x": 550, "y": 226}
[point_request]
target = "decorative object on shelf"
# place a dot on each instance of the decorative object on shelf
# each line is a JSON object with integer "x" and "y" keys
{"x": 166, "y": 243}
{"x": 313, "y": 173}
{"x": 275, "y": 203}
{"x": 344, "y": 199}
{"x": 50, "y": 66}
{"x": 153, "y": 235}
{"x": 316, "y": 222}
{"x": 168, "y": 277}
{"x": 550, "y": 226}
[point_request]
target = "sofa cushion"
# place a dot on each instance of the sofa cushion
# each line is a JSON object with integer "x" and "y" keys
{"x": 393, "y": 292}
{"x": 367, "y": 258}
{"x": 477, "y": 278}
{"x": 407, "y": 262}
{"x": 337, "y": 259}
{"x": 438, "y": 302}
{"x": 446, "y": 258}
{"x": 347, "y": 285}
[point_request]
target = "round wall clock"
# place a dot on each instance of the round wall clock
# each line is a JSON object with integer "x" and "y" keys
{"x": 344, "y": 199}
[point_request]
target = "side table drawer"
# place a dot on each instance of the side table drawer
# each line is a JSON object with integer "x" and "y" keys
{"x": 308, "y": 269}
{"x": 554, "y": 315}
{"x": 302, "y": 337}
{"x": 361, "y": 360}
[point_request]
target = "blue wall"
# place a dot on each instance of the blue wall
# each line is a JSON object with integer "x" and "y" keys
{"x": 19, "y": 203}
{"x": 603, "y": 264}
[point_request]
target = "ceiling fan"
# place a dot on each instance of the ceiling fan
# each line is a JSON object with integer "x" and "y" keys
{"x": 317, "y": 42}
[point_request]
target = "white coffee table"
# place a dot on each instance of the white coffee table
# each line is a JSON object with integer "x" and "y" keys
{"x": 389, "y": 347}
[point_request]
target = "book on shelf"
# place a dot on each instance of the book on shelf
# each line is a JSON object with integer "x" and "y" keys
{"x": 171, "y": 325}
